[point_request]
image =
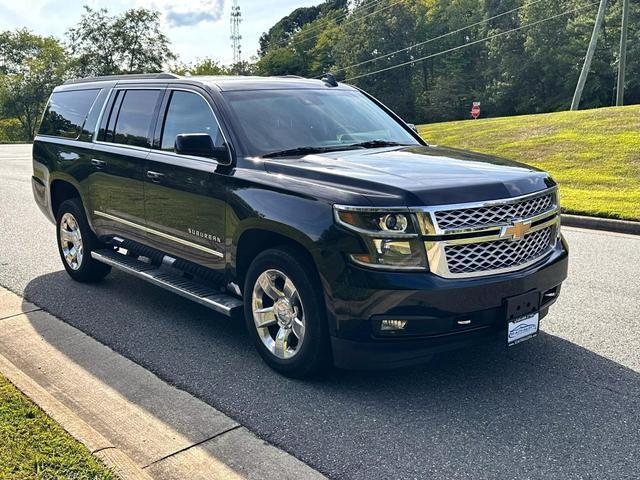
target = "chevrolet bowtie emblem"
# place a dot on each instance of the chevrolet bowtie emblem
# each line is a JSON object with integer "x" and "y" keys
{"x": 516, "y": 231}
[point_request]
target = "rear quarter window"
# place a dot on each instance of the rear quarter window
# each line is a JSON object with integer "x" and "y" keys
{"x": 66, "y": 113}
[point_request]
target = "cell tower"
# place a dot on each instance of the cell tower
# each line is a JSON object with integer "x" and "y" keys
{"x": 236, "y": 18}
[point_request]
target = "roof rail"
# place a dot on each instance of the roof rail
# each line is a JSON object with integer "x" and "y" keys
{"x": 290, "y": 76}
{"x": 131, "y": 76}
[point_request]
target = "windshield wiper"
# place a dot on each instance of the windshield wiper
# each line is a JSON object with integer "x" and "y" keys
{"x": 303, "y": 151}
{"x": 376, "y": 144}
{"x": 333, "y": 148}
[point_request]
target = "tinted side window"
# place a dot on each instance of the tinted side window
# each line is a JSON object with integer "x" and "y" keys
{"x": 133, "y": 123}
{"x": 66, "y": 112}
{"x": 188, "y": 113}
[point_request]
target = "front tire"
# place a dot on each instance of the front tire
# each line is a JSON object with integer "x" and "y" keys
{"x": 76, "y": 241}
{"x": 285, "y": 313}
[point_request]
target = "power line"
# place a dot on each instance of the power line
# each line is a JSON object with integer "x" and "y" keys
{"x": 341, "y": 17}
{"x": 337, "y": 19}
{"x": 351, "y": 21}
{"x": 439, "y": 37}
{"x": 459, "y": 47}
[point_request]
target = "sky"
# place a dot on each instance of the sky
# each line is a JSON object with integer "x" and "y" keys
{"x": 196, "y": 28}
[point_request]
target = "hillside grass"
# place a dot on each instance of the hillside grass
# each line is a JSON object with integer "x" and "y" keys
{"x": 34, "y": 447}
{"x": 593, "y": 154}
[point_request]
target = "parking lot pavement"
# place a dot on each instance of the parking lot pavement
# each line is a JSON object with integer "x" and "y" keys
{"x": 564, "y": 405}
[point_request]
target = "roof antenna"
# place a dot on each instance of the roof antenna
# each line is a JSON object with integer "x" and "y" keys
{"x": 330, "y": 79}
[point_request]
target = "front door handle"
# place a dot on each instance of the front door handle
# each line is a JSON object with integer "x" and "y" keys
{"x": 154, "y": 176}
{"x": 98, "y": 163}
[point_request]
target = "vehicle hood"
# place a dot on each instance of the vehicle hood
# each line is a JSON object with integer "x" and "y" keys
{"x": 416, "y": 176}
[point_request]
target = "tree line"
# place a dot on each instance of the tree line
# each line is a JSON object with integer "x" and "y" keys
{"x": 528, "y": 64}
{"x": 32, "y": 65}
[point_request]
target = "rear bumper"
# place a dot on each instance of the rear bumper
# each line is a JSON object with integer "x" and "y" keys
{"x": 442, "y": 314}
{"x": 41, "y": 195}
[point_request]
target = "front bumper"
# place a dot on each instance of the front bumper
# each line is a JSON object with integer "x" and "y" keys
{"x": 444, "y": 314}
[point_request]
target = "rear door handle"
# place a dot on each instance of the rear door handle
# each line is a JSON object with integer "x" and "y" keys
{"x": 154, "y": 176}
{"x": 98, "y": 163}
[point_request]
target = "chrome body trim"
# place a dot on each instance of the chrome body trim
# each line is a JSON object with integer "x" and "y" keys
{"x": 370, "y": 233}
{"x": 429, "y": 225}
{"x": 553, "y": 218}
{"x": 438, "y": 264}
{"x": 121, "y": 145}
{"x": 436, "y": 239}
{"x": 378, "y": 266}
{"x": 158, "y": 233}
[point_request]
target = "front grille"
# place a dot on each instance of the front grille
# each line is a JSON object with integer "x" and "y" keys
{"x": 496, "y": 255}
{"x": 495, "y": 214}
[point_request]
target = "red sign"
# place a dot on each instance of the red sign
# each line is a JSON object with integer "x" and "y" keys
{"x": 475, "y": 110}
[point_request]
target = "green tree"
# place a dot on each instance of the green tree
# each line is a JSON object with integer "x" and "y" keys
{"x": 281, "y": 61}
{"x": 30, "y": 68}
{"x": 375, "y": 30}
{"x": 529, "y": 62}
{"x": 205, "y": 66}
{"x": 283, "y": 31}
{"x": 504, "y": 71}
{"x": 450, "y": 81}
{"x": 131, "y": 42}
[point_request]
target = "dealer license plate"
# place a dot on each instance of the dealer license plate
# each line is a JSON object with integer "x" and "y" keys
{"x": 523, "y": 328}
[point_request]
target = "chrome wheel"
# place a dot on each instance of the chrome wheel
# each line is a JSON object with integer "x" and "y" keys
{"x": 278, "y": 314}
{"x": 71, "y": 241}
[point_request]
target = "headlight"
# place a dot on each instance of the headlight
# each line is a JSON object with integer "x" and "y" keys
{"x": 390, "y": 235}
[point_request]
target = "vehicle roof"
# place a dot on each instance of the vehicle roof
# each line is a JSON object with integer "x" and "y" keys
{"x": 221, "y": 82}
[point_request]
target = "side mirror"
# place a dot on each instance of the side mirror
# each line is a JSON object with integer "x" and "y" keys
{"x": 413, "y": 127}
{"x": 201, "y": 145}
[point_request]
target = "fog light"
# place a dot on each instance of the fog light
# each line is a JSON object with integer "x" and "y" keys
{"x": 392, "y": 325}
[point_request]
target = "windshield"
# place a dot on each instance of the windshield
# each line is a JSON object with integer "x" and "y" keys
{"x": 279, "y": 120}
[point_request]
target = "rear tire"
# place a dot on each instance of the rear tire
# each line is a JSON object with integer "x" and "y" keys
{"x": 285, "y": 313}
{"x": 76, "y": 241}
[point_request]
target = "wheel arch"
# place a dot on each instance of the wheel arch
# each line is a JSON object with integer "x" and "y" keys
{"x": 61, "y": 190}
{"x": 256, "y": 239}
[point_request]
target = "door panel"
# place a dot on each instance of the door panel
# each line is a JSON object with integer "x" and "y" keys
{"x": 184, "y": 195}
{"x": 185, "y": 208}
{"x": 116, "y": 186}
{"x": 116, "y": 190}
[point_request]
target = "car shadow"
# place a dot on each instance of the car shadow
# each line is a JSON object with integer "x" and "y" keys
{"x": 545, "y": 408}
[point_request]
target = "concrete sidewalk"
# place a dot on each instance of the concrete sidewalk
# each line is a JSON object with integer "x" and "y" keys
{"x": 137, "y": 424}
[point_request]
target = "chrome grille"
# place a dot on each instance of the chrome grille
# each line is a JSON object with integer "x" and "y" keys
{"x": 494, "y": 214}
{"x": 496, "y": 255}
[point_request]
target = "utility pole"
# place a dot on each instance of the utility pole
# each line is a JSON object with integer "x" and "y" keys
{"x": 623, "y": 54}
{"x": 587, "y": 61}
{"x": 236, "y": 18}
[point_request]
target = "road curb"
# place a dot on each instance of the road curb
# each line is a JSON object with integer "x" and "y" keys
{"x": 596, "y": 223}
{"x": 116, "y": 460}
{"x": 137, "y": 424}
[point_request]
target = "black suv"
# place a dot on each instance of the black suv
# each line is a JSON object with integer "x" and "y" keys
{"x": 306, "y": 205}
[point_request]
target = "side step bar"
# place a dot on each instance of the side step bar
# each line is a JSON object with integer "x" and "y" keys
{"x": 204, "y": 295}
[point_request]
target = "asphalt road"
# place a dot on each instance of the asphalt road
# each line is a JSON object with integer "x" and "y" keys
{"x": 564, "y": 405}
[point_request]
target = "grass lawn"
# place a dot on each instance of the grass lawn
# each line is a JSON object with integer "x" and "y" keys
{"x": 593, "y": 154}
{"x": 32, "y": 446}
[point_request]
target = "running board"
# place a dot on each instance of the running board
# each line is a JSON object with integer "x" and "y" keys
{"x": 204, "y": 295}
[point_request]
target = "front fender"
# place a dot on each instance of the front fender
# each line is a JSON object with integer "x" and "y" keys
{"x": 302, "y": 219}
{"x": 293, "y": 214}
